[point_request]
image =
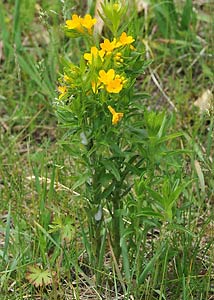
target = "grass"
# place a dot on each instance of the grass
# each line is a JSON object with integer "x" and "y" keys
{"x": 42, "y": 220}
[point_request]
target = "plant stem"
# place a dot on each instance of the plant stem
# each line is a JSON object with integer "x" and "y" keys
{"x": 116, "y": 227}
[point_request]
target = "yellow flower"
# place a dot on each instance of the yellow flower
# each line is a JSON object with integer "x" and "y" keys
{"x": 74, "y": 23}
{"x": 106, "y": 77}
{"x": 94, "y": 54}
{"x": 87, "y": 22}
{"x": 114, "y": 86}
{"x": 62, "y": 90}
{"x": 66, "y": 78}
{"x": 116, "y": 116}
{"x": 124, "y": 40}
{"x": 78, "y": 23}
{"x": 108, "y": 46}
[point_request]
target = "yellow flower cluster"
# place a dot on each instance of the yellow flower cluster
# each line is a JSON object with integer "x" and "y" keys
{"x": 80, "y": 24}
{"x": 107, "y": 48}
{"x": 110, "y": 81}
{"x": 100, "y": 60}
{"x": 113, "y": 83}
{"x": 123, "y": 40}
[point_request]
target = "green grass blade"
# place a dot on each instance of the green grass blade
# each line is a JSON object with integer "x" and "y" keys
{"x": 28, "y": 65}
{"x": 7, "y": 233}
{"x": 48, "y": 236}
{"x": 16, "y": 25}
{"x": 186, "y": 15}
{"x": 5, "y": 35}
{"x": 125, "y": 255}
{"x": 151, "y": 263}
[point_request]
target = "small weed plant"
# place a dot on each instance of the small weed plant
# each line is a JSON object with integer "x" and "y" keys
{"x": 126, "y": 169}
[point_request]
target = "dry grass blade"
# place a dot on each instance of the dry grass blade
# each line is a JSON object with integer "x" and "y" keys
{"x": 99, "y": 25}
{"x": 156, "y": 82}
{"x": 58, "y": 186}
{"x": 200, "y": 175}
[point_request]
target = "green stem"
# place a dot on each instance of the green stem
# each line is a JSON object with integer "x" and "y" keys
{"x": 93, "y": 193}
{"x": 116, "y": 227}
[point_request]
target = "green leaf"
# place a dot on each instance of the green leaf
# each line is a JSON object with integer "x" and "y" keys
{"x": 110, "y": 166}
{"x": 176, "y": 193}
{"x": 161, "y": 130}
{"x": 39, "y": 277}
{"x": 107, "y": 191}
{"x": 80, "y": 181}
{"x": 181, "y": 228}
{"x": 149, "y": 212}
{"x": 169, "y": 213}
{"x": 155, "y": 195}
{"x": 116, "y": 150}
{"x": 169, "y": 137}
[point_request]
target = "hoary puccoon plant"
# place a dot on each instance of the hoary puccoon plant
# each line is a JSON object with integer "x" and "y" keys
{"x": 115, "y": 142}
